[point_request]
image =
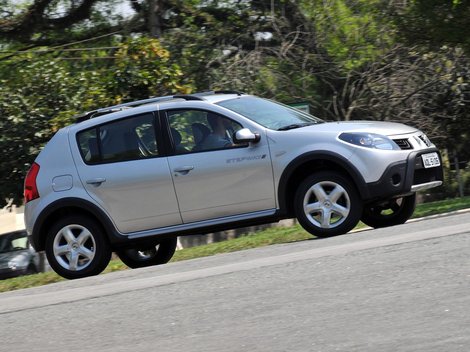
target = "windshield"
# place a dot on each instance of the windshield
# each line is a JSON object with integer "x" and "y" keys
{"x": 269, "y": 114}
{"x": 13, "y": 242}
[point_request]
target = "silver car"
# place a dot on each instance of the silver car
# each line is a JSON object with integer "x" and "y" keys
{"x": 131, "y": 178}
{"x": 16, "y": 255}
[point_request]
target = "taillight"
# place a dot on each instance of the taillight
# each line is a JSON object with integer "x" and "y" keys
{"x": 30, "y": 188}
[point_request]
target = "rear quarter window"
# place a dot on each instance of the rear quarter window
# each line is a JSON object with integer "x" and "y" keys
{"x": 128, "y": 139}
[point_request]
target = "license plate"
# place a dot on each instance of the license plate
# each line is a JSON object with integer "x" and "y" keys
{"x": 431, "y": 160}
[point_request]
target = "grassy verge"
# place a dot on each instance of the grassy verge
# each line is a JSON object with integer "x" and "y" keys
{"x": 266, "y": 237}
{"x": 442, "y": 206}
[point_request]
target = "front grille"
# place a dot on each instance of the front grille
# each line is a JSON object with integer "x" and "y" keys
{"x": 427, "y": 175}
{"x": 403, "y": 143}
{"x": 423, "y": 175}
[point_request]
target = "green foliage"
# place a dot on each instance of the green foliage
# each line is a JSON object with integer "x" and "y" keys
{"x": 29, "y": 102}
{"x": 449, "y": 101}
{"x": 352, "y": 31}
{"x": 143, "y": 69}
{"x": 436, "y": 23}
{"x": 205, "y": 36}
{"x": 40, "y": 94}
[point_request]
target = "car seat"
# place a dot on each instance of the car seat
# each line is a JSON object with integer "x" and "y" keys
{"x": 179, "y": 149}
{"x": 200, "y": 133}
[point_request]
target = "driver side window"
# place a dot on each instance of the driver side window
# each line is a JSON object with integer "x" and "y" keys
{"x": 198, "y": 130}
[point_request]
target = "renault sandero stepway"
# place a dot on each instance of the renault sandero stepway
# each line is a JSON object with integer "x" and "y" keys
{"x": 131, "y": 178}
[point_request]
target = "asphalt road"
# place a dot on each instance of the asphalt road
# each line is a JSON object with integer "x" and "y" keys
{"x": 405, "y": 288}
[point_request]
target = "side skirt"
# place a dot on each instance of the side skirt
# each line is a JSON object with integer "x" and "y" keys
{"x": 207, "y": 226}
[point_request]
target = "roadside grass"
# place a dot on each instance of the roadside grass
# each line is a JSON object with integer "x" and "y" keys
{"x": 440, "y": 207}
{"x": 274, "y": 235}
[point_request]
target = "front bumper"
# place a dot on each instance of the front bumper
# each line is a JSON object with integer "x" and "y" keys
{"x": 8, "y": 273}
{"x": 406, "y": 177}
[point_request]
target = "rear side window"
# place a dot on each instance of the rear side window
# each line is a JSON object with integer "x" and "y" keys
{"x": 123, "y": 140}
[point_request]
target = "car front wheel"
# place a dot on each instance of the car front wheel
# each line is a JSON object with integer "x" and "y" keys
{"x": 157, "y": 254}
{"x": 327, "y": 204}
{"x": 392, "y": 212}
{"x": 76, "y": 247}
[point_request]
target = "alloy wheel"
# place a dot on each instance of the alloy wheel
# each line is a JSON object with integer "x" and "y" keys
{"x": 74, "y": 247}
{"x": 326, "y": 204}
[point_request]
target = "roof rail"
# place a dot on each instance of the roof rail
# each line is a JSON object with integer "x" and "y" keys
{"x": 114, "y": 108}
{"x": 228, "y": 92}
{"x": 194, "y": 96}
{"x": 187, "y": 97}
{"x": 135, "y": 103}
{"x": 119, "y": 107}
{"x": 212, "y": 92}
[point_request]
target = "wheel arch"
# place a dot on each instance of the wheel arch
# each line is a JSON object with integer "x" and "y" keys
{"x": 69, "y": 206}
{"x": 304, "y": 165}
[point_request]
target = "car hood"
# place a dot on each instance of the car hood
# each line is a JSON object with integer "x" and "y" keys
{"x": 378, "y": 127}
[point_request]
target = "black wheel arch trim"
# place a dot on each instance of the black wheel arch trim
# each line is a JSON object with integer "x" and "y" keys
{"x": 37, "y": 237}
{"x": 320, "y": 155}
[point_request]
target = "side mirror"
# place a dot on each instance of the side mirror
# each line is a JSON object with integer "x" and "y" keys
{"x": 246, "y": 136}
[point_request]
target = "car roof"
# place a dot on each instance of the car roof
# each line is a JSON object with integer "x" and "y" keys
{"x": 210, "y": 97}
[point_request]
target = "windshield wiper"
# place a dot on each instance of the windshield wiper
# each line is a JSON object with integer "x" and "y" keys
{"x": 295, "y": 125}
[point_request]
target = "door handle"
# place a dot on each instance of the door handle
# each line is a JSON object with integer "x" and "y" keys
{"x": 96, "y": 181}
{"x": 183, "y": 170}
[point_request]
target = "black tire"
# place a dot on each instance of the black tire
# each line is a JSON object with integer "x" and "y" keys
{"x": 31, "y": 270}
{"x": 81, "y": 237}
{"x": 325, "y": 193}
{"x": 393, "y": 212}
{"x": 160, "y": 253}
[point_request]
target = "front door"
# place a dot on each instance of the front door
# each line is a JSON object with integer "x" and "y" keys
{"x": 213, "y": 177}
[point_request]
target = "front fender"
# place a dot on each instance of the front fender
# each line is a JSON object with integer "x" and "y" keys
{"x": 318, "y": 157}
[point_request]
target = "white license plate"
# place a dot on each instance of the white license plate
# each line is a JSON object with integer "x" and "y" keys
{"x": 431, "y": 160}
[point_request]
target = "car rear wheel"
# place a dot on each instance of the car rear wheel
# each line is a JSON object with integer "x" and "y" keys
{"x": 393, "y": 212}
{"x": 327, "y": 204}
{"x": 160, "y": 253}
{"x": 76, "y": 247}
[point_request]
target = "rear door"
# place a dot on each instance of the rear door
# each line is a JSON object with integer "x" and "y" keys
{"x": 123, "y": 170}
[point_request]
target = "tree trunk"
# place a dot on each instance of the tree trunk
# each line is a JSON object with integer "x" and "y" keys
{"x": 155, "y": 18}
{"x": 459, "y": 177}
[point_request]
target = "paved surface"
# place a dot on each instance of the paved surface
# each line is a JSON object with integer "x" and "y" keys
{"x": 405, "y": 288}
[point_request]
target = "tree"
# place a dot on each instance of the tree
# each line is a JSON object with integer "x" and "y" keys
{"x": 39, "y": 95}
{"x": 350, "y": 59}
{"x": 316, "y": 53}
{"x": 38, "y": 22}
{"x": 433, "y": 23}
{"x": 53, "y": 22}
{"x": 26, "y": 105}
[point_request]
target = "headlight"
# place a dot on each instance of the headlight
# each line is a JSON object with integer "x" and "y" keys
{"x": 369, "y": 140}
{"x": 12, "y": 264}
{"x": 17, "y": 262}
